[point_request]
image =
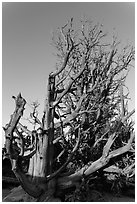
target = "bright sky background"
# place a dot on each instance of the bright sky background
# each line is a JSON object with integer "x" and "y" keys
{"x": 27, "y": 53}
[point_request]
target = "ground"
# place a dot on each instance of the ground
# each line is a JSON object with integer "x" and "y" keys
{"x": 13, "y": 194}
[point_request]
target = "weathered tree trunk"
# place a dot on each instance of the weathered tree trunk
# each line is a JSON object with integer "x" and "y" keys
{"x": 90, "y": 106}
{"x": 41, "y": 161}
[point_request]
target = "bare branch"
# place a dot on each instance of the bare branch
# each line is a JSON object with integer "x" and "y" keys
{"x": 123, "y": 149}
{"x": 55, "y": 174}
{"x": 122, "y": 102}
{"x": 20, "y": 103}
{"x": 20, "y": 143}
{"x": 23, "y": 128}
{"x": 64, "y": 63}
{"x": 112, "y": 137}
{"x": 69, "y": 86}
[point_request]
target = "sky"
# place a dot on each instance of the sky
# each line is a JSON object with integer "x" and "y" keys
{"x": 27, "y": 54}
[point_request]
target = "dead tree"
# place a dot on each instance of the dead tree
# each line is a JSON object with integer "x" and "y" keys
{"x": 81, "y": 115}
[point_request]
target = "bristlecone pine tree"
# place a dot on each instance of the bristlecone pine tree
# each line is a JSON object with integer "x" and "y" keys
{"x": 86, "y": 126}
